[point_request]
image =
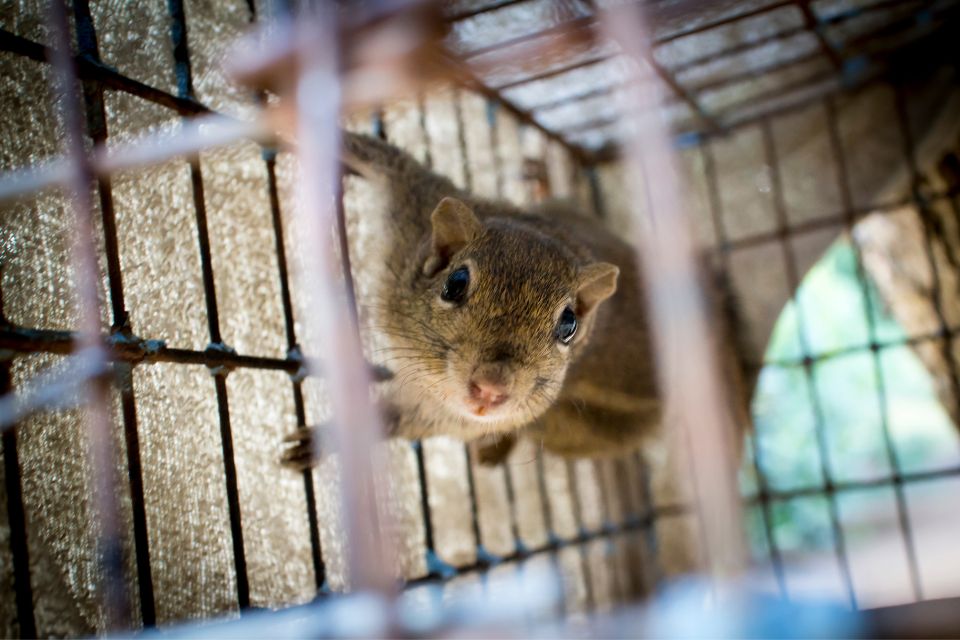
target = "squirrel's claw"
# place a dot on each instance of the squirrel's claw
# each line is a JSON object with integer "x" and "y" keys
{"x": 301, "y": 454}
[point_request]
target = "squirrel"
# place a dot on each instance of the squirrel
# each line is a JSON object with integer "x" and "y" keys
{"x": 504, "y": 323}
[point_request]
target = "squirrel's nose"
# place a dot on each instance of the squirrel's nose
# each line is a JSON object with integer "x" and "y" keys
{"x": 488, "y": 393}
{"x": 489, "y": 386}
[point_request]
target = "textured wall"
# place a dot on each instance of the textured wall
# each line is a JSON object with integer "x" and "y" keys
{"x": 178, "y": 409}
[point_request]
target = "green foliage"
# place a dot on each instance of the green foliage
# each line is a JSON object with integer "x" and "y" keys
{"x": 855, "y": 403}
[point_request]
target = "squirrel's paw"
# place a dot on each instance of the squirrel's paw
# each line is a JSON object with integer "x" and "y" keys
{"x": 303, "y": 448}
{"x": 491, "y": 454}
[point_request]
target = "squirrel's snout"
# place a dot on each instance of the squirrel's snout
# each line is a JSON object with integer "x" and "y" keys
{"x": 487, "y": 393}
{"x": 489, "y": 388}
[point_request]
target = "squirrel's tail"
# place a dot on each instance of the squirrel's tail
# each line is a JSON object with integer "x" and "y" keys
{"x": 412, "y": 185}
{"x": 372, "y": 157}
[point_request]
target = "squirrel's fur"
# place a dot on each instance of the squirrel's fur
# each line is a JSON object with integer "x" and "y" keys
{"x": 596, "y": 397}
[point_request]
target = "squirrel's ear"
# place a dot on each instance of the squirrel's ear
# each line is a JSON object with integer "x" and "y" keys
{"x": 454, "y": 225}
{"x": 598, "y": 281}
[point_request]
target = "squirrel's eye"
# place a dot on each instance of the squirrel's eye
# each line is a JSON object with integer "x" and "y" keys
{"x": 455, "y": 288}
{"x": 566, "y": 326}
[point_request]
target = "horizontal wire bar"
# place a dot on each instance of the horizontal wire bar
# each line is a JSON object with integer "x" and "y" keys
{"x": 910, "y": 341}
{"x": 635, "y": 524}
{"x": 88, "y": 68}
{"x": 837, "y": 219}
{"x": 60, "y": 388}
{"x": 838, "y": 486}
{"x": 191, "y": 137}
{"x": 138, "y": 350}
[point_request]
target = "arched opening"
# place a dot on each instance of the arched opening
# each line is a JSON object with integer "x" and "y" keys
{"x": 851, "y": 447}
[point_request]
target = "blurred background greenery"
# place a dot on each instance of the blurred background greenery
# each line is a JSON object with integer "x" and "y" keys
{"x": 854, "y": 403}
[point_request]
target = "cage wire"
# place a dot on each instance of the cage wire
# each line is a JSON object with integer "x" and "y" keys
{"x": 162, "y": 331}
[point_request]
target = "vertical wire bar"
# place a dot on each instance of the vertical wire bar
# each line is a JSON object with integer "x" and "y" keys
{"x": 269, "y": 156}
{"x": 293, "y": 349}
{"x": 793, "y": 281}
{"x": 520, "y": 548}
{"x": 462, "y": 138}
{"x": 84, "y": 258}
{"x": 495, "y": 147}
{"x": 720, "y": 232}
{"x": 435, "y": 566}
{"x": 599, "y": 466}
{"x": 923, "y": 208}
{"x": 575, "y": 498}
{"x": 16, "y": 518}
{"x": 357, "y": 423}
{"x": 599, "y": 209}
{"x": 343, "y": 245}
{"x": 596, "y": 192}
{"x": 903, "y": 516}
{"x": 96, "y": 122}
{"x": 582, "y": 533}
{"x": 484, "y": 557}
{"x": 233, "y": 492}
{"x": 553, "y": 541}
{"x": 141, "y": 537}
{"x": 19, "y": 549}
{"x": 688, "y": 363}
{"x": 648, "y": 517}
{"x": 184, "y": 75}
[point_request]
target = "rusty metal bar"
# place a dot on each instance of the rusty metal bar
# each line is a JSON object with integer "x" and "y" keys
{"x": 90, "y": 348}
{"x": 561, "y": 28}
{"x": 683, "y": 345}
{"x": 16, "y": 517}
{"x": 96, "y": 113}
{"x": 559, "y": 71}
{"x": 463, "y": 15}
{"x": 357, "y": 424}
{"x": 93, "y": 69}
{"x": 748, "y": 74}
{"x": 294, "y": 355}
{"x": 136, "y": 350}
{"x": 184, "y": 75}
{"x": 193, "y": 136}
{"x": 723, "y": 21}
{"x": 586, "y": 95}
{"x": 725, "y": 53}
{"x": 690, "y": 97}
{"x": 645, "y": 522}
{"x": 471, "y": 81}
{"x": 728, "y": 117}
{"x": 813, "y": 24}
{"x": 591, "y": 20}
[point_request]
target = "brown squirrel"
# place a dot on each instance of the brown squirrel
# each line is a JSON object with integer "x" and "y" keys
{"x": 504, "y": 323}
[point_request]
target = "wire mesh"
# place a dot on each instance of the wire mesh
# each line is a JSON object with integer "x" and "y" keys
{"x": 636, "y": 523}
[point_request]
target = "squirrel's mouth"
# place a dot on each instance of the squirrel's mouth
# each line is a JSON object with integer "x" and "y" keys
{"x": 481, "y": 410}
